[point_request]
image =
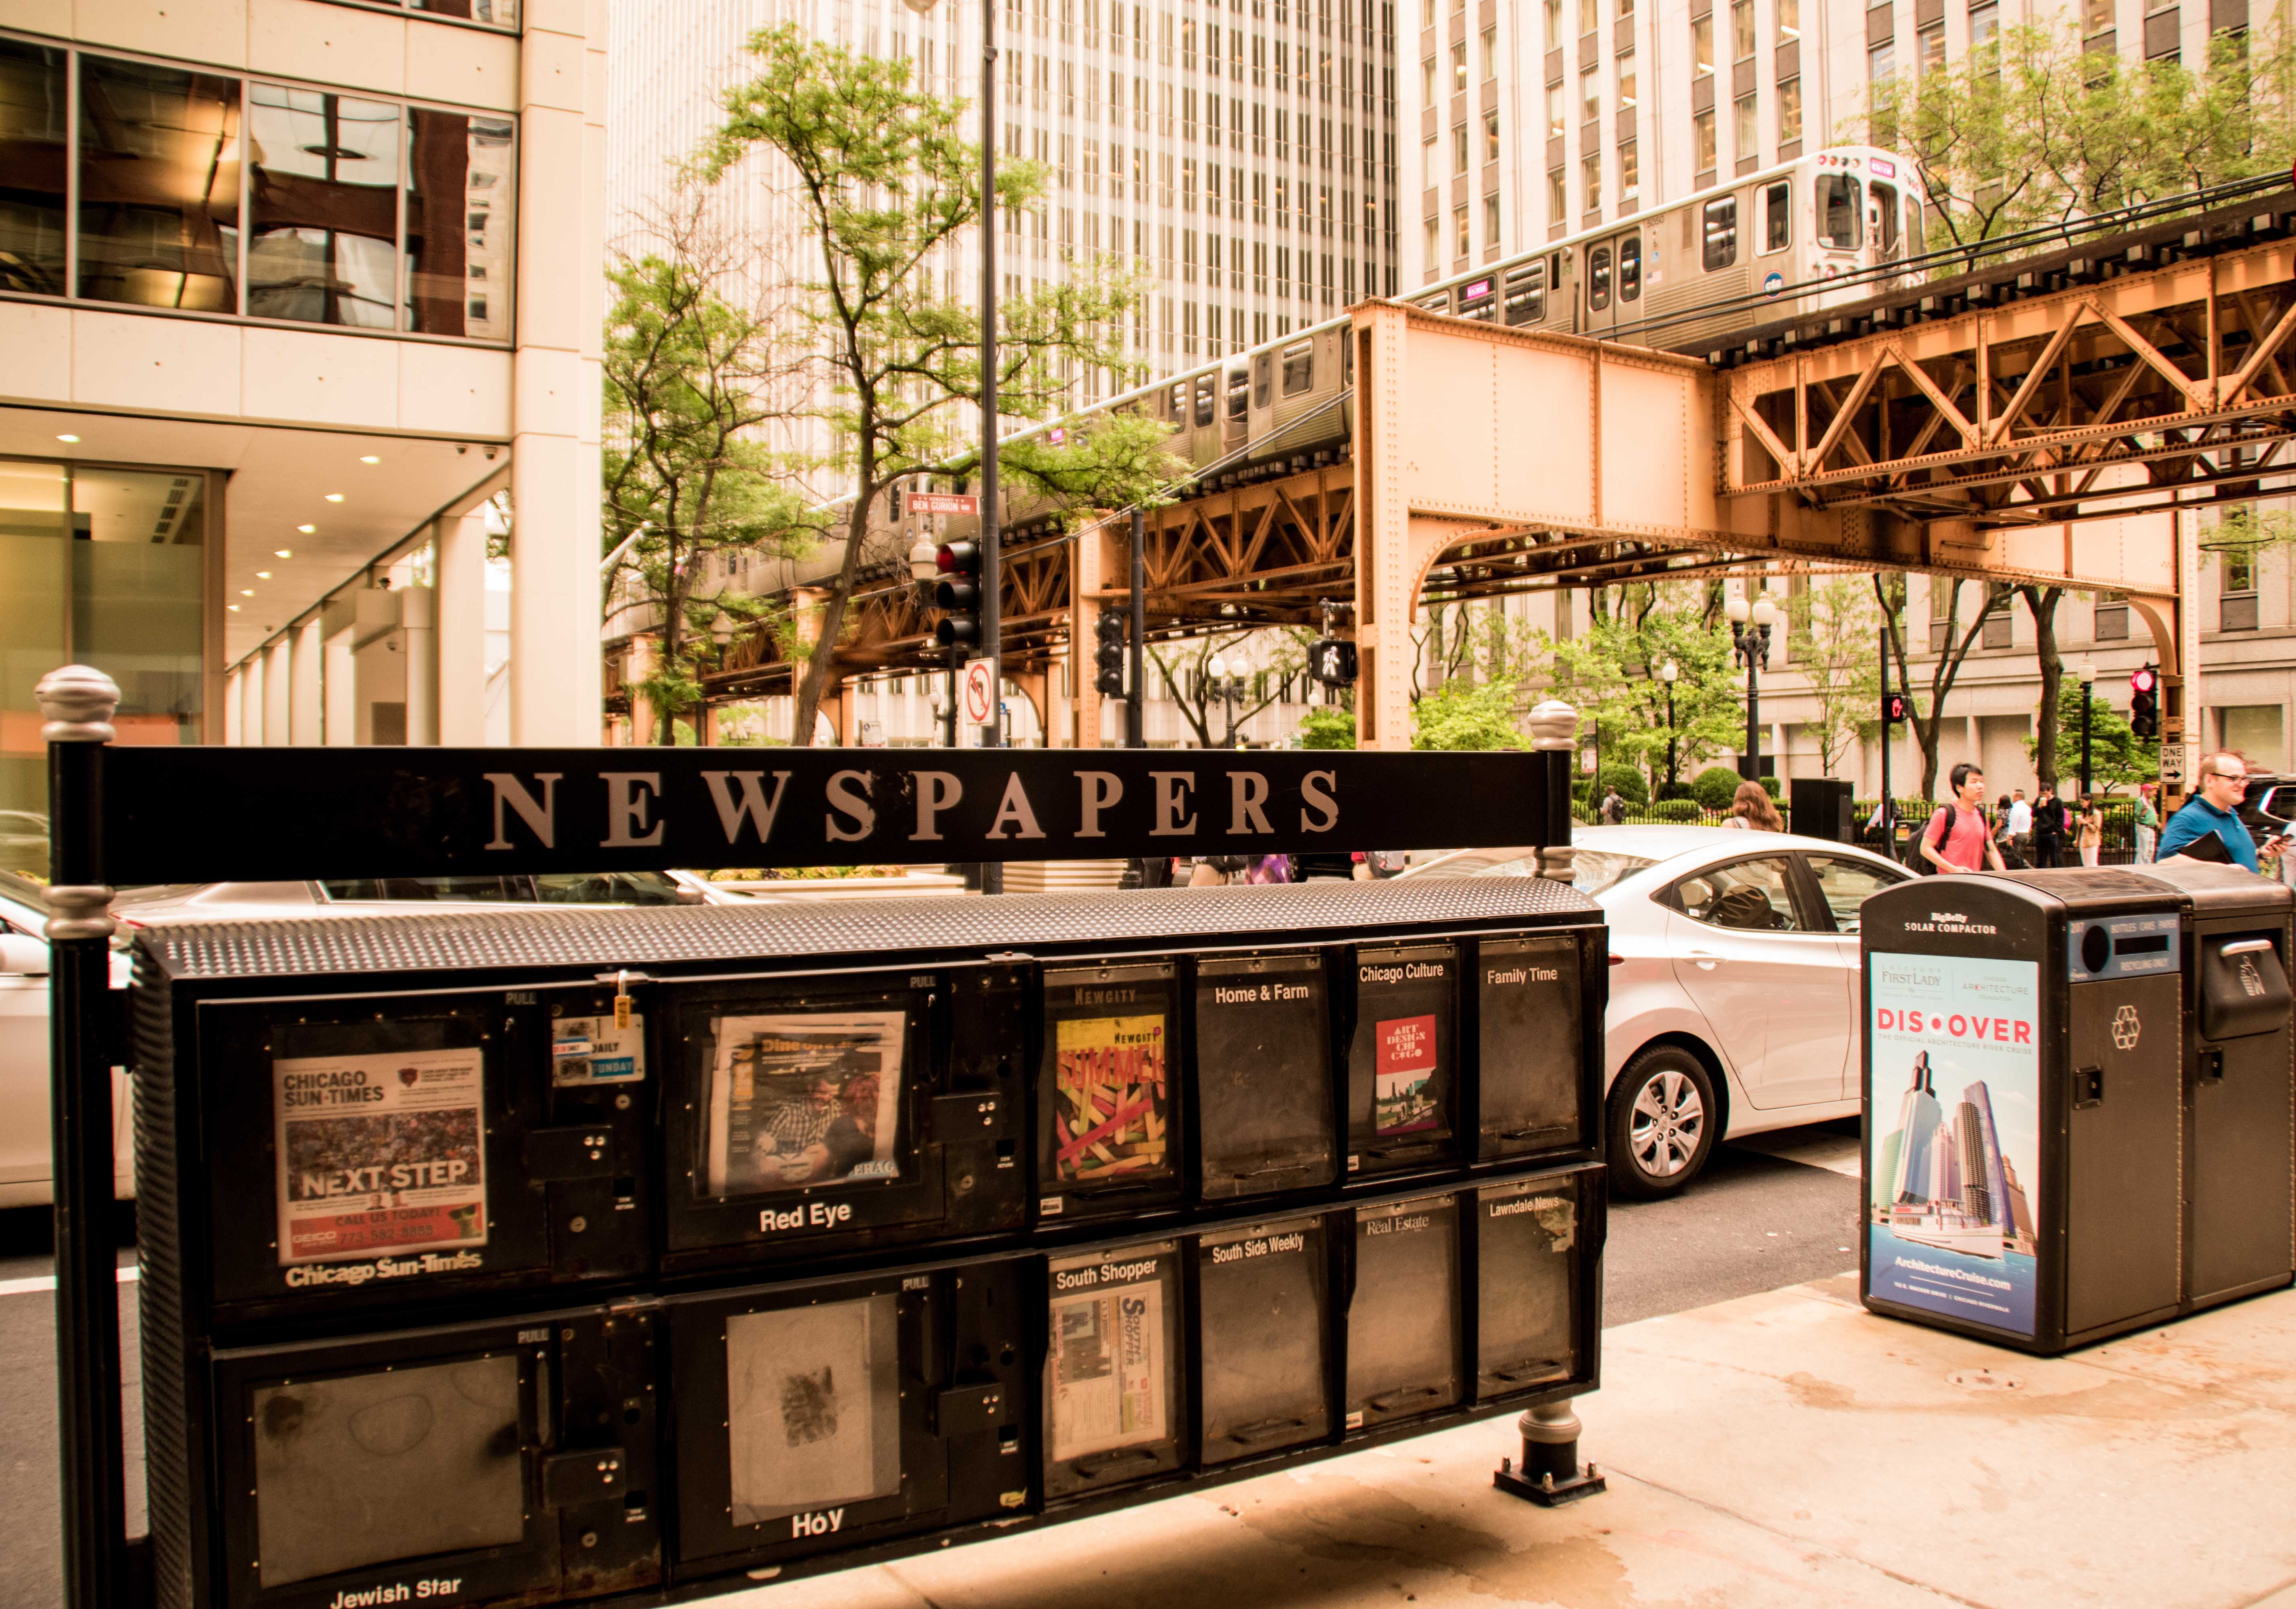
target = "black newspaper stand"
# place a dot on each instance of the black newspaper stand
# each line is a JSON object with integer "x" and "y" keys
{"x": 2062, "y": 1142}
{"x": 825, "y": 1228}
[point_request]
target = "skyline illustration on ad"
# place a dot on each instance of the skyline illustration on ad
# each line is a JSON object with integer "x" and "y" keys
{"x": 1956, "y": 1145}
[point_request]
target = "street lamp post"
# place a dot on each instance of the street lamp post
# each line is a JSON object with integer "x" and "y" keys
{"x": 1228, "y": 688}
{"x": 1666, "y": 673}
{"x": 1749, "y": 634}
{"x": 2087, "y": 673}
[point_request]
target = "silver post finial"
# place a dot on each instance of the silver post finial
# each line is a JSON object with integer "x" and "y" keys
{"x": 77, "y": 702}
{"x": 1553, "y": 725}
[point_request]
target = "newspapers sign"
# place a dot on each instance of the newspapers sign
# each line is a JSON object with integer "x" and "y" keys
{"x": 380, "y": 1155}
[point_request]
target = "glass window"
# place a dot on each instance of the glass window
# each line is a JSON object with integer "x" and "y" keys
{"x": 1838, "y": 212}
{"x": 460, "y": 224}
{"x": 1754, "y": 895}
{"x": 1459, "y": 67}
{"x": 1299, "y": 368}
{"x": 1598, "y": 278}
{"x": 1929, "y": 48}
{"x": 1558, "y": 194}
{"x": 2096, "y": 16}
{"x": 1885, "y": 204}
{"x": 1554, "y": 24}
{"x": 1434, "y": 249}
{"x": 1590, "y": 94}
{"x": 1845, "y": 883}
{"x": 1459, "y": 148}
{"x": 1490, "y": 53}
{"x": 1749, "y": 121}
{"x": 1777, "y": 216}
{"x": 1984, "y": 22}
{"x": 1789, "y": 110}
{"x": 1630, "y": 172}
{"x": 1789, "y": 18}
{"x": 1590, "y": 174}
{"x": 323, "y": 205}
{"x": 1880, "y": 60}
{"x": 1526, "y": 294}
{"x": 1463, "y": 243}
{"x": 1741, "y": 29}
{"x": 1490, "y": 136}
{"x": 1630, "y": 268}
{"x": 1555, "y": 114}
{"x": 1701, "y": 141}
{"x": 36, "y": 138}
{"x": 1626, "y": 78}
{"x": 1491, "y": 219}
{"x": 1427, "y": 81}
{"x": 1701, "y": 44}
{"x": 1721, "y": 233}
{"x": 2239, "y": 569}
{"x": 1590, "y": 15}
{"x": 159, "y": 185}
{"x": 500, "y": 13}
{"x": 1430, "y": 168}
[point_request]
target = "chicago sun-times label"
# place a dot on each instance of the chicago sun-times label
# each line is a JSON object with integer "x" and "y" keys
{"x": 382, "y": 1157}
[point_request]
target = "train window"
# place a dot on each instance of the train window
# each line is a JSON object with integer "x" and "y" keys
{"x": 1913, "y": 228}
{"x": 1239, "y": 393}
{"x": 1721, "y": 221}
{"x": 1526, "y": 294}
{"x": 1777, "y": 216}
{"x": 1598, "y": 279}
{"x": 1176, "y": 403}
{"x": 1885, "y": 202}
{"x": 1441, "y": 302}
{"x": 1204, "y": 401}
{"x": 1839, "y": 214}
{"x": 1299, "y": 368}
{"x": 1630, "y": 268}
{"x": 1263, "y": 379}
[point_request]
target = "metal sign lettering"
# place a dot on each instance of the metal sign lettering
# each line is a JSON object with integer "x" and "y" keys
{"x": 945, "y": 503}
{"x": 222, "y": 814}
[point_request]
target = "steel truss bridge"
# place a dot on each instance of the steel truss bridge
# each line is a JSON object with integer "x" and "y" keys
{"x": 2056, "y": 419}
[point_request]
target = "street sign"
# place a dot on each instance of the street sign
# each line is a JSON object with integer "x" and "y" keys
{"x": 945, "y": 503}
{"x": 980, "y": 694}
{"x": 2172, "y": 762}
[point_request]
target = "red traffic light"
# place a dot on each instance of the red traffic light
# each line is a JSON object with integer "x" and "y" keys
{"x": 2143, "y": 679}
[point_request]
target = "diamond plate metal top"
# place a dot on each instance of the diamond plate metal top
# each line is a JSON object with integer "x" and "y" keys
{"x": 782, "y": 930}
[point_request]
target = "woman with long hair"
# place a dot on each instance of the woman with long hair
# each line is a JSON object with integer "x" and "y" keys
{"x": 1751, "y": 810}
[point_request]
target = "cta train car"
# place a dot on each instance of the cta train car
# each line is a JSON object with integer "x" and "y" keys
{"x": 1685, "y": 277}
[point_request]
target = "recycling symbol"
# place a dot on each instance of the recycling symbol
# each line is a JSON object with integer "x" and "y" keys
{"x": 2126, "y": 1028}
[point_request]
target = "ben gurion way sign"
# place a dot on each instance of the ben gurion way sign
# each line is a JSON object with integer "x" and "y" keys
{"x": 216, "y": 814}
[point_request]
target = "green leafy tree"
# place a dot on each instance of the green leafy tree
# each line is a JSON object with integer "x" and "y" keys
{"x": 2032, "y": 129}
{"x": 689, "y": 479}
{"x": 1833, "y": 637}
{"x": 1460, "y": 714}
{"x": 885, "y": 186}
{"x": 1714, "y": 787}
{"x": 2118, "y": 756}
{"x": 1610, "y": 671}
{"x": 1328, "y": 726}
{"x": 1926, "y": 718}
{"x": 1185, "y": 668}
{"x": 2041, "y": 604}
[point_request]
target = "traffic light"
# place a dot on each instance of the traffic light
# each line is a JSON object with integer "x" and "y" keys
{"x": 1332, "y": 660}
{"x": 957, "y": 594}
{"x": 1115, "y": 626}
{"x": 2144, "y": 703}
{"x": 1893, "y": 709}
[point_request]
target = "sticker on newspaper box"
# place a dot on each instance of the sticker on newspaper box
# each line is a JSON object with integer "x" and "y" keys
{"x": 379, "y": 1154}
{"x": 591, "y": 1050}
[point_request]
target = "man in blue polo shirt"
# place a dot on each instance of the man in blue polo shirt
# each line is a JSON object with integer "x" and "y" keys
{"x": 2214, "y": 812}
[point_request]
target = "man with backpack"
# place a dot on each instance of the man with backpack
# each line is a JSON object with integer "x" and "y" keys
{"x": 1957, "y": 838}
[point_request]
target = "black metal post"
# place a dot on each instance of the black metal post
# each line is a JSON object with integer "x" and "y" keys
{"x": 1888, "y": 805}
{"x": 1671, "y": 778}
{"x": 1753, "y": 645}
{"x": 992, "y": 552}
{"x": 77, "y": 703}
{"x": 2087, "y": 693}
{"x": 1135, "y": 714}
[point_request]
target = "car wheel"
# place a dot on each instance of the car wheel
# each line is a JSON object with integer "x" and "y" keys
{"x": 1662, "y": 1120}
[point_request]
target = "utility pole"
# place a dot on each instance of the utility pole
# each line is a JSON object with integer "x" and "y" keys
{"x": 1135, "y": 717}
{"x": 992, "y": 558}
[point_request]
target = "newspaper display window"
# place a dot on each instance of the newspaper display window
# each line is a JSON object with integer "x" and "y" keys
{"x": 1403, "y": 1319}
{"x": 1527, "y": 1252}
{"x": 1264, "y": 1325}
{"x": 1400, "y": 1059}
{"x": 1263, "y": 1074}
{"x": 1529, "y": 1040}
{"x": 356, "y": 1470}
{"x": 814, "y": 1407}
{"x": 804, "y": 1097}
{"x": 1112, "y": 1367}
{"x": 378, "y": 1153}
{"x": 1108, "y": 1097}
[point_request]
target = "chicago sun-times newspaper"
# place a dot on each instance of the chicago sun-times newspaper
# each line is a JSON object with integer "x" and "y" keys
{"x": 379, "y": 1154}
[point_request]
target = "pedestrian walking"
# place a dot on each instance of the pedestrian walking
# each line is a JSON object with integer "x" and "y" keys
{"x": 1753, "y": 810}
{"x": 2049, "y": 831}
{"x": 2148, "y": 824}
{"x": 1956, "y": 837}
{"x": 2208, "y": 827}
{"x": 2021, "y": 823}
{"x": 1613, "y": 809}
{"x": 2092, "y": 832}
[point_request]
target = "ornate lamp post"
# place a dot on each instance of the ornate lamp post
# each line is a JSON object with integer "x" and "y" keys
{"x": 2087, "y": 674}
{"x": 1668, "y": 673}
{"x": 1749, "y": 634}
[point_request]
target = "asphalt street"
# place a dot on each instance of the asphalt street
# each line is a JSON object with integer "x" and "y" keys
{"x": 1777, "y": 1210}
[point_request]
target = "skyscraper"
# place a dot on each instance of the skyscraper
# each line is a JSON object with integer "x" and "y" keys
{"x": 1917, "y": 1121}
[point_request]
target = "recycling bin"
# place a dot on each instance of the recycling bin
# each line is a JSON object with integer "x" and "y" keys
{"x": 2023, "y": 1099}
{"x": 2240, "y": 1081}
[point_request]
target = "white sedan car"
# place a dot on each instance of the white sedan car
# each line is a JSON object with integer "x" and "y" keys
{"x": 1733, "y": 983}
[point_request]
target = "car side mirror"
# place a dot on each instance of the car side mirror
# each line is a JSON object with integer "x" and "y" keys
{"x": 23, "y": 957}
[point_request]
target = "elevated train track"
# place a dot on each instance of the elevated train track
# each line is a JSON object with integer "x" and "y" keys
{"x": 2055, "y": 417}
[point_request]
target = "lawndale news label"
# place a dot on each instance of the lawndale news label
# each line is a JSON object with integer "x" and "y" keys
{"x": 1956, "y": 1135}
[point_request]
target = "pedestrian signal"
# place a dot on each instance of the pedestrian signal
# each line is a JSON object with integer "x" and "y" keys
{"x": 1332, "y": 660}
{"x": 1893, "y": 709}
{"x": 957, "y": 594}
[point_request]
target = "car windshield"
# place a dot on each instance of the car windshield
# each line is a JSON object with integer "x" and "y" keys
{"x": 1591, "y": 870}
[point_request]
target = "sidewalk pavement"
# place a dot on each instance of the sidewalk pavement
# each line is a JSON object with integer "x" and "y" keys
{"x": 1787, "y": 1448}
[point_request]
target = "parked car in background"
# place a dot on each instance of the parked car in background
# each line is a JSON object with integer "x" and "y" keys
{"x": 1735, "y": 983}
